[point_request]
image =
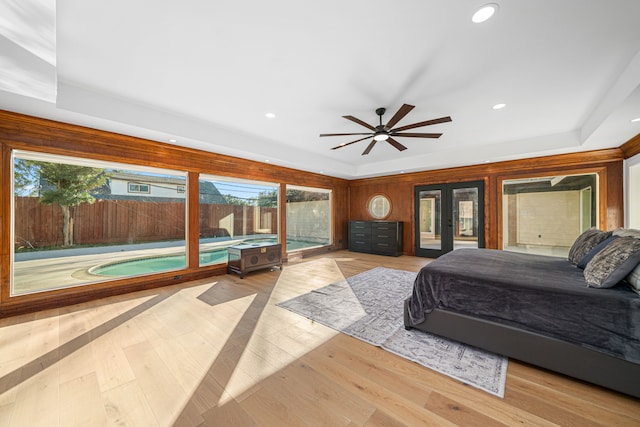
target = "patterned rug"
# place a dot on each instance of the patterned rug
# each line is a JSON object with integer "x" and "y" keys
{"x": 369, "y": 306}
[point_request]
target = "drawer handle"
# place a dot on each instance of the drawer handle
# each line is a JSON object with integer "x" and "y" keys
{"x": 383, "y": 244}
{"x": 381, "y": 235}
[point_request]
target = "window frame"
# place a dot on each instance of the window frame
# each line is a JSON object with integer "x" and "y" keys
{"x": 139, "y": 191}
{"x": 77, "y": 161}
{"x": 601, "y": 205}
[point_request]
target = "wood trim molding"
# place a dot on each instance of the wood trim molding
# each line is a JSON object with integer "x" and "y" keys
{"x": 23, "y": 132}
{"x": 480, "y": 171}
{"x": 631, "y": 147}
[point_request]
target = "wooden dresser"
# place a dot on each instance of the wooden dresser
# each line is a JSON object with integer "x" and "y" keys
{"x": 251, "y": 257}
{"x": 376, "y": 237}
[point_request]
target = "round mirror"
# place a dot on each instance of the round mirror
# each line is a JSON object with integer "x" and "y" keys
{"x": 379, "y": 206}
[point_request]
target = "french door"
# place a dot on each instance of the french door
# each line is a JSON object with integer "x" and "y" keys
{"x": 448, "y": 217}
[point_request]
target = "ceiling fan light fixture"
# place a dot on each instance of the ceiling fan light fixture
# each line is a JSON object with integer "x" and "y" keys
{"x": 389, "y": 132}
{"x": 484, "y": 13}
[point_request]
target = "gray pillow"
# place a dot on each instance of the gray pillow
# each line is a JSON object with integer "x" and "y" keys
{"x": 613, "y": 263}
{"x": 585, "y": 242}
{"x": 627, "y": 232}
{"x": 593, "y": 252}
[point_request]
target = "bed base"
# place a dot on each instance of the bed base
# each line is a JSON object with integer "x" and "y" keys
{"x": 549, "y": 353}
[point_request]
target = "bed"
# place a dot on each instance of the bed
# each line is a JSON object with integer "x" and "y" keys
{"x": 534, "y": 308}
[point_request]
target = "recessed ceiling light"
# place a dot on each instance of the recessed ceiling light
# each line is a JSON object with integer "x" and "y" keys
{"x": 484, "y": 13}
{"x": 270, "y": 115}
{"x": 173, "y": 140}
{"x": 636, "y": 120}
{"x": 499, "y": 106}
{"x": 267, "y": 161}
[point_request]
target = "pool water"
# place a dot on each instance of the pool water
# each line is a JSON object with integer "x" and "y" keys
{"x": 138, "y": 266}
{"x": 134, "y": 267}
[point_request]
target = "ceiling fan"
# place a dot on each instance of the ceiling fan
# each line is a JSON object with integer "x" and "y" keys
{"x": 387, "y": 132}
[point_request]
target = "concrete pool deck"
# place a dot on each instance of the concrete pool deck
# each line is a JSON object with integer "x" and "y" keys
{"x": 63, "y": 268}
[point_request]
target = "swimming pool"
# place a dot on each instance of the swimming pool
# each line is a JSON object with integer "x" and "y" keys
{"x": 156, "y": 264}
{"x": 137, "y": 266}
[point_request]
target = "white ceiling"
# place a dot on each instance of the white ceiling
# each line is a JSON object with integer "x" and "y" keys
{"x": 206, "y": 72}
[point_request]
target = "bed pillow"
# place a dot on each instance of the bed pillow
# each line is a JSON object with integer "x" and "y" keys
{"x": 613, "y": 263}
{"x": 585, "y": 242}
{"x": 593, "y": 252}
{"x": 627, "y": 232}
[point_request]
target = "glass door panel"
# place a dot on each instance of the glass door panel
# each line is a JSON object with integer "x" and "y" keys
{"x": 429, "y": 223}
{"x": 465, "y": 217}
{"x": 448, "y": 217}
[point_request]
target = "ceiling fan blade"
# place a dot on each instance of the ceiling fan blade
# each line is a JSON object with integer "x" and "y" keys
{"x": 349, "y": 143}
{"x": 396, "y": 144}
{"x": 369, "y": 147}
{"x": 344, "y": 134}
{"x": 417, "y": 125}
{"x": 399, "y": 115}
{"x": 419, "y": 135}
{"x": 360, "y": 122}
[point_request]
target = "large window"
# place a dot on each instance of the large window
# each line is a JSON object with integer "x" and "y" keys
{"x": 76, "y": 222}
{"x": 234, "y": 211}
{"x": 308, "y": 217}
{"x": 545, "y": 215}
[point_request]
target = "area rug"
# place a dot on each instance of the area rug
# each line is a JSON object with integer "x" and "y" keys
{"x": 369, "y": 306}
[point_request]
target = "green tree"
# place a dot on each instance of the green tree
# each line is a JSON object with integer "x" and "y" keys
{"x": 235, "y": 200}
{"x": 26, "y": 178}
{"x": 268, "y": 199}
{"x": 64, "y": 184}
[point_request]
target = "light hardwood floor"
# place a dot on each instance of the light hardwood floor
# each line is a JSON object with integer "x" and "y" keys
{"x": 218, "y": 352}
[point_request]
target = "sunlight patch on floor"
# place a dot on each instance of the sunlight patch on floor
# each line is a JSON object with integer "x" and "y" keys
{"x": 279, "y": 336}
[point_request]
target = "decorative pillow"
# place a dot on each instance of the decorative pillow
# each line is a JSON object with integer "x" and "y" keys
{"x": 634, "y": 279}
{"x": 613, "y": 263}
{"x": 593, "y": 252}
{"x": 585, "y": 242}
{"x": 627, "y": 232}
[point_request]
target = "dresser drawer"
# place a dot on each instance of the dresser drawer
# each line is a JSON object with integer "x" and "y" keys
{"x": 360, "y": 245}
{"x": 384, "y": 225}
{"x": 359, "y": 226}
{"x": 360, "y": 234}
{"x": 384, "y": 247}
{"x": 384, "y": 235}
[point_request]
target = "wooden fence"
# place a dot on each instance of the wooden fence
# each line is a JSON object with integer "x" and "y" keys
{"x": 127, "y": 221}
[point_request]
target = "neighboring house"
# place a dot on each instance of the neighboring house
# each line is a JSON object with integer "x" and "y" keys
{"x": 131, "y": 186}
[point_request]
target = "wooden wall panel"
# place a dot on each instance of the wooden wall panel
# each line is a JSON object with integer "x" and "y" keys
{"x": 34, "y": 134}
{"x": 400, "y": 188}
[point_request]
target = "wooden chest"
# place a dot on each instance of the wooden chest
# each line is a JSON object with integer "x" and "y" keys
{"x": 250, "y": 257}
